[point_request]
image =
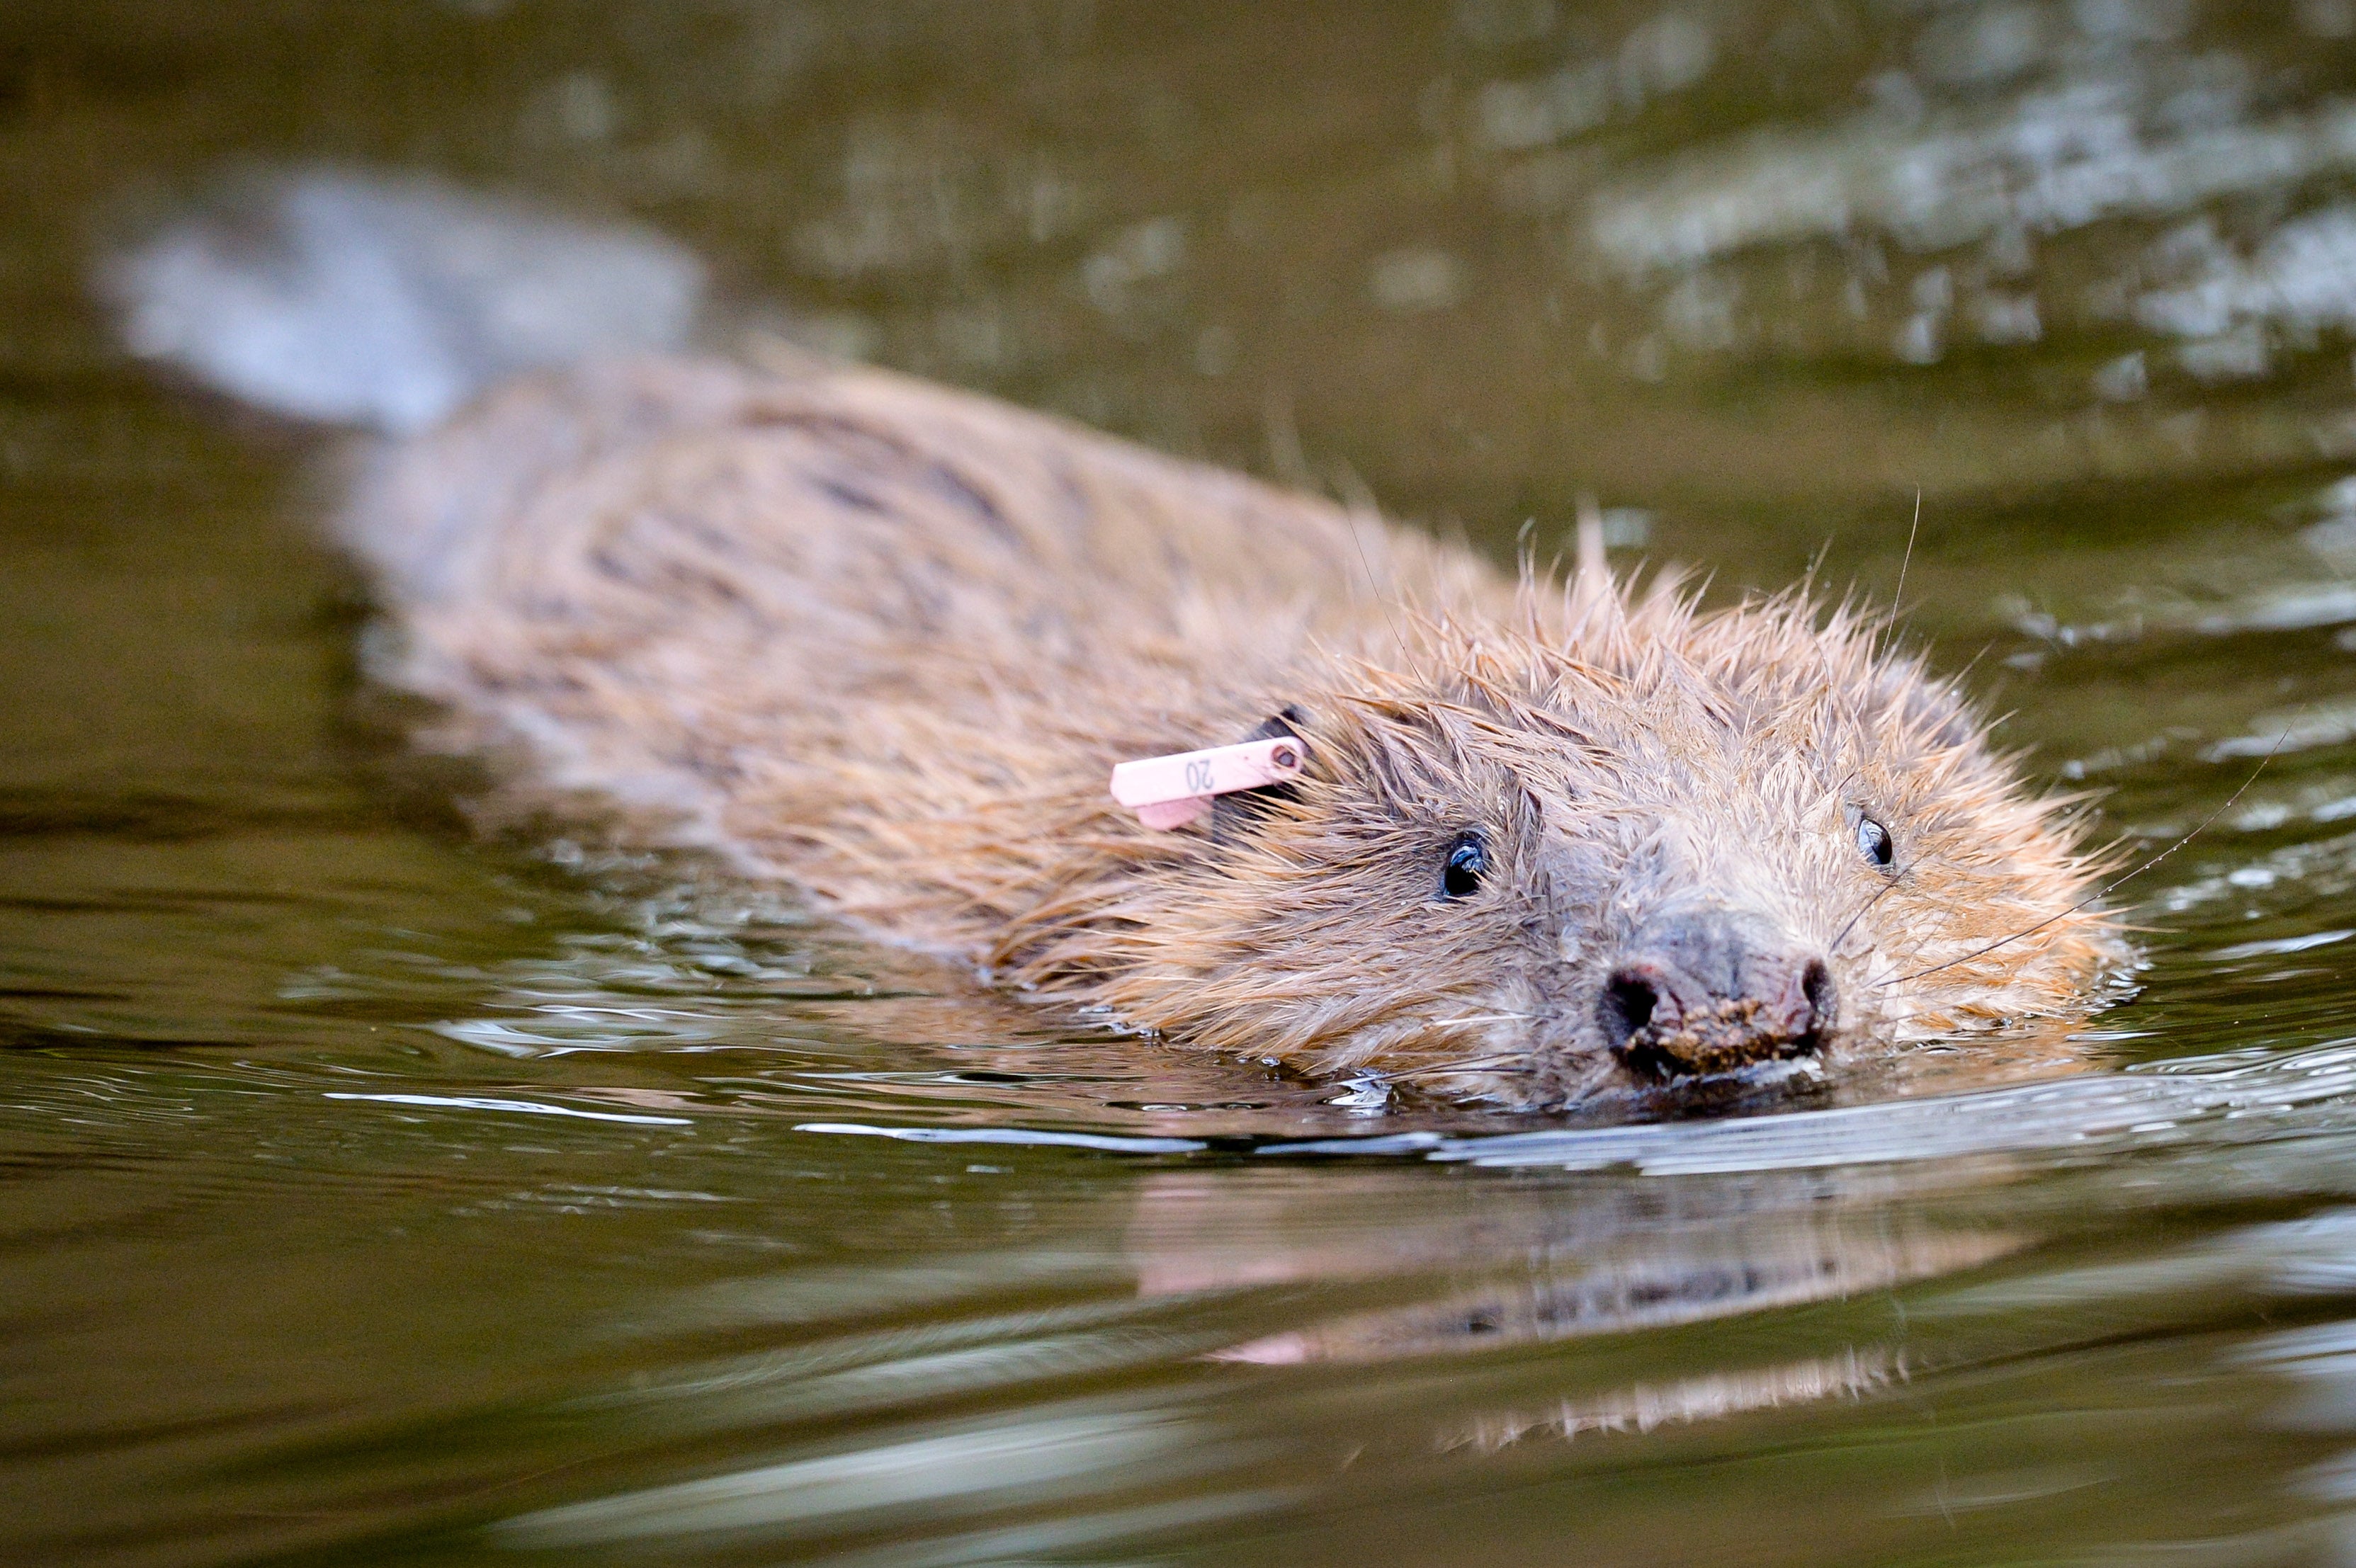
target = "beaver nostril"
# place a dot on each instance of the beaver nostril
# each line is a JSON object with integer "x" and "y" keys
{"x": 1705, "y": 989}
{"x": 1626, "y": 1006}
{"x": 1824, "y": 1001}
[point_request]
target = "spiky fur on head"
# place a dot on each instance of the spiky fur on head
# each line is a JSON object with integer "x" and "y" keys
{"x": 1625, "y": 756}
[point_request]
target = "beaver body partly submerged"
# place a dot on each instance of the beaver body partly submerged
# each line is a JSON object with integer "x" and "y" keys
{"x": 887, "y": 640}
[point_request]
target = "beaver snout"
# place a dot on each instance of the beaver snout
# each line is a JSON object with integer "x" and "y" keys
{"x": 1709, "y": 989}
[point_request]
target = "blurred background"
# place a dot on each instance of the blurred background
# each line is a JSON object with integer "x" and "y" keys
{"x": 378, "y": 1192}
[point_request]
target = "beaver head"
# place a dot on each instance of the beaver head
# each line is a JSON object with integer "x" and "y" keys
{"x": 1645, "y": 845}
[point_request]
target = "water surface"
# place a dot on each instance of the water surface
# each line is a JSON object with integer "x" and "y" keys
{"x": 380, "y": 1191}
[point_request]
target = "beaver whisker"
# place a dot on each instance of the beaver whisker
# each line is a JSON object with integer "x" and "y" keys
{"x": 1374, "y": 587}
{"x": 1898, "y": 600}
{"x": 1595, "y": 1078}
{"x": 2104, "y": 891}
{"x": 1467, "y": 1065}
{"x": 1863, "y": 909}
{"x": 1503, "y": 1064}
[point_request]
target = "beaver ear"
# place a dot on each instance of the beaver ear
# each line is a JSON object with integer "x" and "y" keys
{"x": 1238, "y": 813}
{"x": 1286, "y": 720}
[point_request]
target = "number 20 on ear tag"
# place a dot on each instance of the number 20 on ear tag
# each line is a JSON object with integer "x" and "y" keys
{"x": 1170, "y": 792}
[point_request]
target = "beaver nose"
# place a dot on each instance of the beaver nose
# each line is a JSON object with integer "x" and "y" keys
{"x": 1709, "y": 989}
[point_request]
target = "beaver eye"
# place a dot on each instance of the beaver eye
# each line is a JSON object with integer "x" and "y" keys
{"x": 1874, "y": 839}
{"x": 1467, "y": 862}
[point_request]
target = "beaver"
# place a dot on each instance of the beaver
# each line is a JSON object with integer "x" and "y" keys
{"x": 1547, "y": 840}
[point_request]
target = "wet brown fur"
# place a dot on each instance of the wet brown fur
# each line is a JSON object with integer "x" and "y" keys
{"x": 886, "y": 640}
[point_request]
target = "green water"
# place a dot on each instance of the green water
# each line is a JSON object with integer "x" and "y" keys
{"x": 376, "y": 1191}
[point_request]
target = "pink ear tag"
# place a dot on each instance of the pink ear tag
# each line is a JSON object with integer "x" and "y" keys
{"x": 1171, "y": 792}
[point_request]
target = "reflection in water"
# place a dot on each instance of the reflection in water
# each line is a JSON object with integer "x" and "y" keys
{"x": 1587, "y": 1319}
{"x": 1854, "y": 1374}
{"x": 1619, "y": 1262}
{"x": 1217, "y": 1264}
{"x": 1624, "y": 1262}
